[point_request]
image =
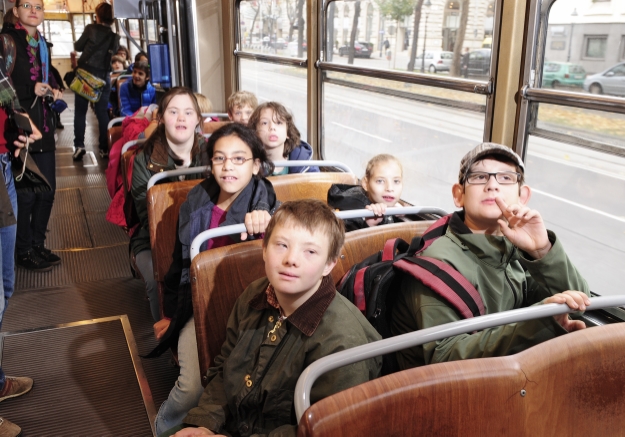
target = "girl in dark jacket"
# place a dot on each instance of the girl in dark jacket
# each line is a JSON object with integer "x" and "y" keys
{"x": 174, "y": 144}
{"x": 98, "y": 43}
{"x": 380, "y": 189}
{"x": 235, "y": 192}
{"x": 35, "y": 88}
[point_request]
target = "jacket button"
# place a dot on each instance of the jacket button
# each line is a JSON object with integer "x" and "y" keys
{"x": 273, "y": 337}
{"x": 249, "y": 383}
{"x": 270, "y": 319}
{"x": 245, "y": 428}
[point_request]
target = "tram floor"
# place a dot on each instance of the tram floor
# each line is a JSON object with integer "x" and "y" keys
{"x": 79, "y": 330}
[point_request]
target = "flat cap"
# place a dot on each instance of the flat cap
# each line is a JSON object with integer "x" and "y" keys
{"x": 486, "y": 149}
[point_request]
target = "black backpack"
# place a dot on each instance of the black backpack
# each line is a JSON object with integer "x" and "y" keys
{"x": 373, "y": 284}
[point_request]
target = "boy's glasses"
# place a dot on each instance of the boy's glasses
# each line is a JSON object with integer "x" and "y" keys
{"x": 503, "y": 177}
{"x": 236, "y": 160}
{"x": 29, "y": 6}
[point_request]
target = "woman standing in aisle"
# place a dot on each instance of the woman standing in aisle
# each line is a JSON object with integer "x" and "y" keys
{"x": 98, "y": 43}
{"x": 35, "y": 89}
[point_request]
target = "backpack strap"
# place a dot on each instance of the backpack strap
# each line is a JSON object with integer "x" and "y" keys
{"x": 431, "y": 234}
{"x": 391, "y": 247}
{"x": 445, "y": 281}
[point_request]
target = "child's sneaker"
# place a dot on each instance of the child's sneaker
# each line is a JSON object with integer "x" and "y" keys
{"x": 15, "y": 386}
{"x": 79, "y": 153}
{"x": 9, "y": 429}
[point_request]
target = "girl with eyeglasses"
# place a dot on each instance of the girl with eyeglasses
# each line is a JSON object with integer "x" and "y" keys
{"x": 236, "y": 191}
{"x": 36, "y": 89}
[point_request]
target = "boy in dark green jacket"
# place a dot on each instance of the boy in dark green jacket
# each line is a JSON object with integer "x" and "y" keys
{"x": 503, "y": 248}
{"x": 279, "y": 326}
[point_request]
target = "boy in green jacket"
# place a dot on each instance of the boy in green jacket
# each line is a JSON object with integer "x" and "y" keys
{"x": 503, "y": 248}
{"x": 279, "y": 326}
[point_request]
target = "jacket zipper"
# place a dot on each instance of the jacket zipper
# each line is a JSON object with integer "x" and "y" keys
{"x": 505, "y": 273}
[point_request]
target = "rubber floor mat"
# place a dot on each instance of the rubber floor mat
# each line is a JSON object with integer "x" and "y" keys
{"x": 85, "y": 382}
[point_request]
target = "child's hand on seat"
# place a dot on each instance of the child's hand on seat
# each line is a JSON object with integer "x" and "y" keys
{"x": 161, "y": 327}
{"x": 524, "y": 228}
{"x": 576, "y": 300}
{"x": 378, "y": 209}
{"x": 255, "y": 222}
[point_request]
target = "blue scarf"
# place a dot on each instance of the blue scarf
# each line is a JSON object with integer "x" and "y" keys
{"x": 43, "y": 54}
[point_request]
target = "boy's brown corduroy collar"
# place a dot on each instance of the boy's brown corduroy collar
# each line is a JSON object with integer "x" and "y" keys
{"x": 308, "y": 316}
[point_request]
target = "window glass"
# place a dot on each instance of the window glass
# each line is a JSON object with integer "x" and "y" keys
{"x": 152, "y": 31}
{"x": 576, "y": 157}
{"x": 80, "y": 23}
{"x": 595, "y": 46}
{"x": 274, "y": 27}
{"x": 280, "y": 83}
{"x": 577, "y": 192}
{"x": 60, "y": 34}
{"x": 360, "y": 123}
{"x": 385, "y": 35}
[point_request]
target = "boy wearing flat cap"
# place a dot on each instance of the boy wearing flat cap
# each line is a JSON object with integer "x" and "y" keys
{"x": 503, "y": 248}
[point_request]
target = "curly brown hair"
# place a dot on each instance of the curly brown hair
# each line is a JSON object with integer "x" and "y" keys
{"x": 279, "y": 113}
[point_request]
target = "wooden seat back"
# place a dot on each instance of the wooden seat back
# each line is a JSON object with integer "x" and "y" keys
{"x": 164, "y": 202}
{"x": 571, "y": 385}
{"x": 211, "y": 126}
{"x": 114, "y": 134}
{"x": 219, "y": 276}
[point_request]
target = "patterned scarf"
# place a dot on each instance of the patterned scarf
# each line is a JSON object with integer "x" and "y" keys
{"x": 36, "y": 43}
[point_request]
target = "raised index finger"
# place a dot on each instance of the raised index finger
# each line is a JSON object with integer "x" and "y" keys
{"x": 503, "y": 206}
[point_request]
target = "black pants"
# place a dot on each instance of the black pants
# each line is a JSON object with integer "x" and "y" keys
{"x": 34, "y": 208}
{"x": 101, "y": 112}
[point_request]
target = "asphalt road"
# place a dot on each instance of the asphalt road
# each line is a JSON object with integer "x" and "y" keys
{"x": 579, "y": 193}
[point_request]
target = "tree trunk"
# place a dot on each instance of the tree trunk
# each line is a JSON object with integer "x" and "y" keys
{"x": 352, "y": 38}
{"x": 415, "y": 35}
{"x": 462, "y": 30}
{"x": 292, "y": 16}
{"x": 253, "y": 24}
{"x": 330, "y": 42}
{"x": 300, "y": 28}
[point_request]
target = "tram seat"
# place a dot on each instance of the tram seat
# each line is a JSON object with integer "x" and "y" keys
{"x": 219, "y": 276}
{"x": 164, "y": 202}
{"x": 212, "y": 126}
{"x": 114, "y": 134}
{"x": 571, "y": 385}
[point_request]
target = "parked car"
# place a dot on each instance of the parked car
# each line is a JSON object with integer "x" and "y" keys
{"x": 610, "y": 81}
{"x": 279, "y": 44}
{"x": 360, "y": 50}
{"x": 435, "y": 61}
{"x": 369, "y": 45}
{"x": 556, "y": 74}
{"x": 292, "y": 48}
{"x": 479, "y": 62}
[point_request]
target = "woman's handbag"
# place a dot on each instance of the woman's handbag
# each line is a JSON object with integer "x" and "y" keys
{"x": 87, "y": 85}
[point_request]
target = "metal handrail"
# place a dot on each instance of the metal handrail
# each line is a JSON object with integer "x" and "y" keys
{"x": 215, "y": 114}
{"x": 116, "y": 120}
{"x": 192, "y": 170}
{"x": 344, "y": 215}
{"x": 457, "y": 84}
{"x": 435, "y": 333}
{"x": 575, "y": 99}
{"x": 273, "y": 59}
{"x": 129, "y": 144}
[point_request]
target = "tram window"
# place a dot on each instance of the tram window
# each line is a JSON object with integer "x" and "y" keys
{"x": 381, "y": 36}
{"x": 272, "y": 27}
{"x": 282, "y": 83}
{"x": 59, "y": 33}
{"x": 576, "y": 157}
{"x": 430, "y": 140}
{"x": 80, "y": 21}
